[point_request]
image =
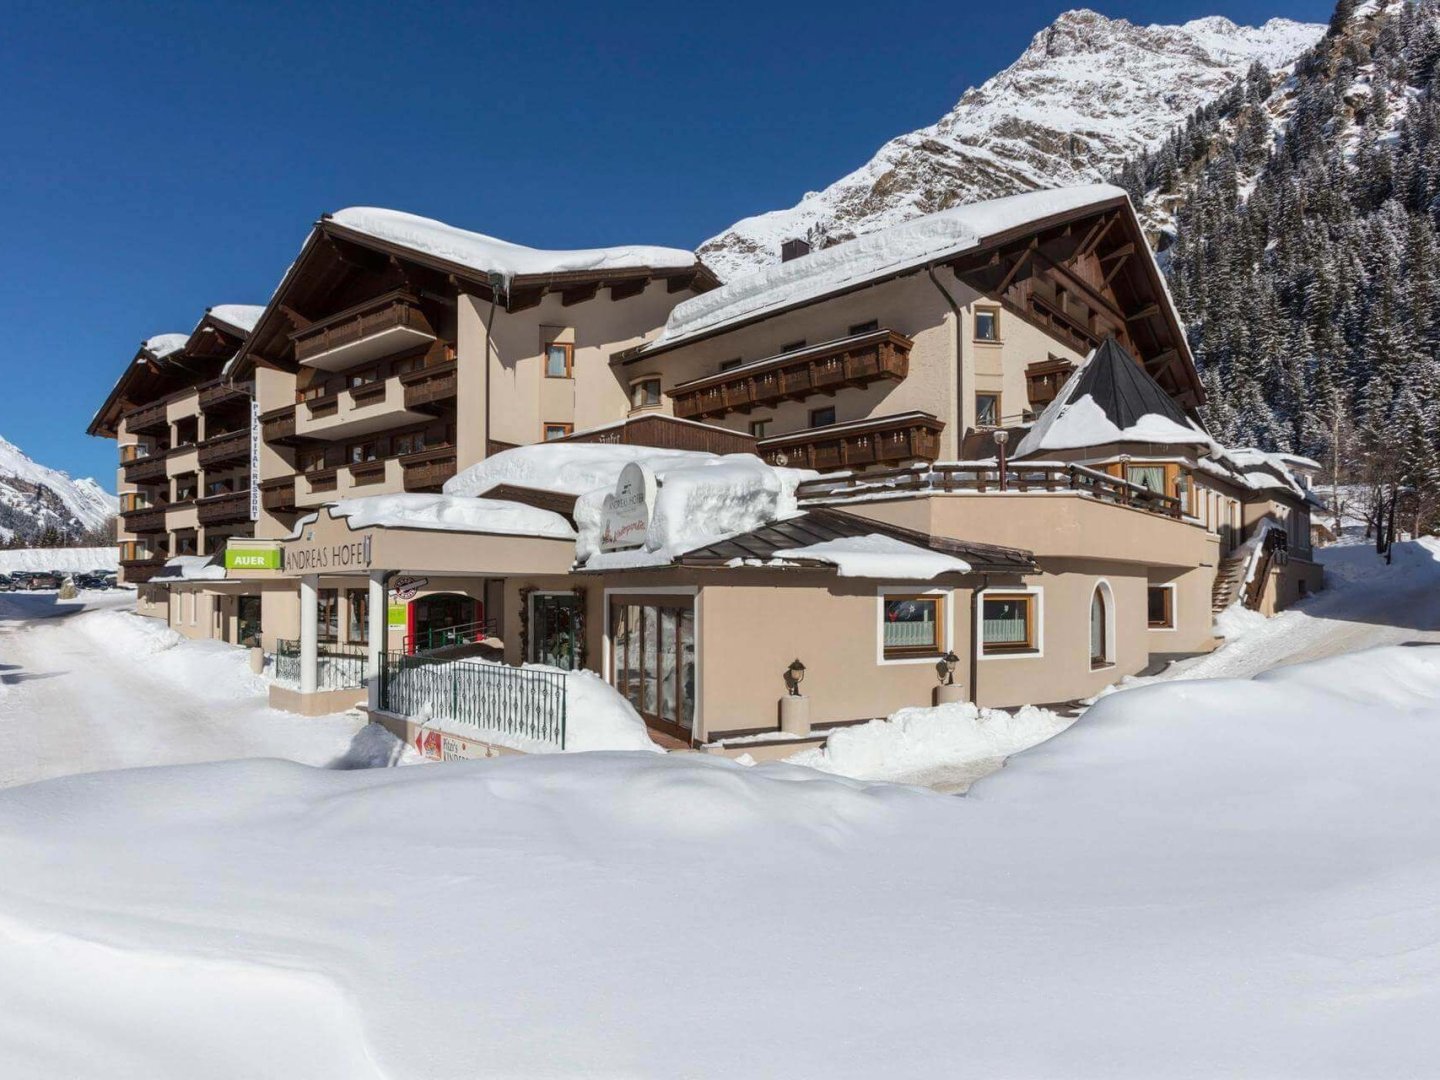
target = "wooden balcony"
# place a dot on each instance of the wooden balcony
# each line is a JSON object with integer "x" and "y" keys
{"x": 885, "y": 440}
{"x": 232, "y": 448}
{"x": 278, "y": 494}
{"x": 149, "y": 419}
{"x": 367, "y": 473}
{"x": 821, "y": 369}
{"x": 224, "y": 509}
{"x": 668, "y": 433}
{"x": 379, "y": 327}
{"x": 146, "y": 470}
{"x": 277, "y": 426}
{"x": 1043, "y": 380}
{"x": 147, "y": 519}
{"x": 219, "y": 394}
{"x": 430, "y": 388}
{"x": 429, "y": 469}
{"x": 323, "y": 479}
{"x": 142, "y": 568}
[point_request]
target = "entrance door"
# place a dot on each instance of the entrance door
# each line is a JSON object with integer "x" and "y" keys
{"x": 247, "y": 620}
{"x": 653, "y": 659}
{"x": 556, "y": 625}
{"x": 444, "y": 619}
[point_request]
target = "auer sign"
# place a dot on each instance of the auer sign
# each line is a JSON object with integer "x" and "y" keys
{"x": 307, "y": 557}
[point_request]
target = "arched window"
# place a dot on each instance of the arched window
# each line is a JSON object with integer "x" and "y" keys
{"x": 1101, "y": 622}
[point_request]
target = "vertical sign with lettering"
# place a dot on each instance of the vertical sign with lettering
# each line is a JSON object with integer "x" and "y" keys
{"x": 254, "y": 459}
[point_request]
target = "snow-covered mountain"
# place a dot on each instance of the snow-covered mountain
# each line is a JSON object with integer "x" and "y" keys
{"x": 34, "y": 499}
{"x": 1088, "y": 94}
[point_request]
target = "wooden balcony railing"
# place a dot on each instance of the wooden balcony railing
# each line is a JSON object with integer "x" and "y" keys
{"x": 668, "y": 433}
{"x": 142, "y": 568}
{"x": 365, "y": 473}
{"x": 852, "y": 361}
{"x": 148, "y": 519}
{"x": 395, "y": 310}
{"x": 278, "y": 425}
{"x": 148, "y": 419}
{"x": 147, "y": 470}
{"x": 986, "y": 478}
{"x": 323, "y": 479}
{"x": 430, "y": 387}
{"x": 885, "y": 440}
{"x": 231, "y": 448}
{"x": 429, "y": 469}
{"x": 278, "y": 494}
{"x": 224, "y": 509}
{"x": 217, "y": 394}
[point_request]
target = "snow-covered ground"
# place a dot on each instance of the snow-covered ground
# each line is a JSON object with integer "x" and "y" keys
{"x": 87, "y": 685}
{"x": 1219, "y": 878}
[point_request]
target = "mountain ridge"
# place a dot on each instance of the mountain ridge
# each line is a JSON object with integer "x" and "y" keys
{"x": 36, "y": 499}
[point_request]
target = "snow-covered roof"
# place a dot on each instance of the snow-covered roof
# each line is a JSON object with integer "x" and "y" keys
{"x": 449, "y": 513}
{"x": 488, "y": 255}
{"x": 1110, "y": 399}
{"x": 190, "y": 568}
{"x": 876, "y": 255}
{"x": 876, "y": 555}
{"x": 241, "y": 316}
{"x": 162, "y": 345}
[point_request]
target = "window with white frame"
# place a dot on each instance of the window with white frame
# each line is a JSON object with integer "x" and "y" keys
{"x": 1009, "y": 623}
{"x": 912, "y": 625}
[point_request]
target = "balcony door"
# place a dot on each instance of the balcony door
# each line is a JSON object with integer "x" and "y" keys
{"x": 652, "y": 659}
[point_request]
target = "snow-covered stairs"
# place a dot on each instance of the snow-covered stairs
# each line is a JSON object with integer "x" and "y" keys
{"x": 1229, "y": 577}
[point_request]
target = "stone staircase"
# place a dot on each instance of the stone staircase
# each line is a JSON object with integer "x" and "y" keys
{"x": 1229, "y": 583}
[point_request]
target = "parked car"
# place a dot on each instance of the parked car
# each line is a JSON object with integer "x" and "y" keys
{"x": 94, "y": 579}
{"x": 7, "y": 583}
{"x": 45, "y": 579}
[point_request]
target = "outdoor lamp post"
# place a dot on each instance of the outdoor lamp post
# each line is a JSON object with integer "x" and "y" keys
{"x": 1001, "y": 437}
{"x": 795, "y": 708}
{"x": 945, "y": 668}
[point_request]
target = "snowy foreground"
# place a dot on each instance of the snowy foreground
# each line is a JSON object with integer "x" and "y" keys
{"x": 1199, "y": 878}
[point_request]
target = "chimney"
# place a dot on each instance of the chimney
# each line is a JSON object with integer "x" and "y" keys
{"x": 793, "y": 249}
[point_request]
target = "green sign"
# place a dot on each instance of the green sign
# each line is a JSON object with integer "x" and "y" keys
{"x": 396, "y": 615}
{"x": 253, "y": 558}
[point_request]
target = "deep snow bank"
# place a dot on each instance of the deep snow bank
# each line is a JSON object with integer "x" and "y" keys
{"x": 1199, "y": 878}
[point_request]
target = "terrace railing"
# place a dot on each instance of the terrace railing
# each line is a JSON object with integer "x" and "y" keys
{"x": 987, "y": 477}
{"x": 338, "y": 667}
{"x": 505, "y": 704}
{"x": 444, "y": 637}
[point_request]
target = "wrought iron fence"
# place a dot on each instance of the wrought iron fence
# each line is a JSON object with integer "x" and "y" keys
{"x": 505, "y": 703}
{"x": 337, "y": 667}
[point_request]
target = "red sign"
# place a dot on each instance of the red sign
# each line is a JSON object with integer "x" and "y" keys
{"x": 429, "y": 745}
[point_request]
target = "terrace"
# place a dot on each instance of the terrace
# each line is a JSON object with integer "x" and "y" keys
{"x": 379, "y": 327}
{"x": 883, "y": 440}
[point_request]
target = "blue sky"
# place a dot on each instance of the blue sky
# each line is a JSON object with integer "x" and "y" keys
{"x": 160, "y": 158}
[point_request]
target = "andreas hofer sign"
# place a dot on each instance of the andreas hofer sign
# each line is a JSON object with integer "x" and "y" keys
{"x": 310, "y": 558}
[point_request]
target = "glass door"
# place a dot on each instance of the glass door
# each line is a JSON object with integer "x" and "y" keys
{"x": 652, "y": 642}
{"x": 247, "y": 622}
{"x": 557, "y": 623}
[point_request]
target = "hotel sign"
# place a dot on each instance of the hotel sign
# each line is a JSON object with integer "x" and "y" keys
{"x": 252, "y": 558}
{"x": 628, "y": 509}
{"x": 307, "y": 557}
{"x": 255, "y": 460}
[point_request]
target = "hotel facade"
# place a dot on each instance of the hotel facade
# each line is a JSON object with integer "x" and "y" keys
{"x": 961, "y": 451}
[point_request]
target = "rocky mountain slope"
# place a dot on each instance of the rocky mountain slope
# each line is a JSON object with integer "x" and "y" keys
{"x": 36, "y": 500}
{"x": 1087, "y": 95}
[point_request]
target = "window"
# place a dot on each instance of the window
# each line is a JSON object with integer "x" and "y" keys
{"x": 864, "y": 328}
{"x": 1099, "y": 627}
{"x": 1160, "y": 607}
{"x": 987, "y": 325}
{"x": 328, "y": 601}
{"x": 408, "y": 364}
{"x": 822, "y": 417}
{"x": 987, "y": 410}
{"x": 366, "y": 451}
{"x": 310, "y": 460}
{"x": 412, "y": 442}
{"x": 726, "y": 365}
{"x": 1007, "y": 623}
{"x": 313, "y": 391}
{"x": 645, "y": 393}
{"x": 557, "y": 431}
{"x": 559, "y": 360}
{"x": 759, "y": 428}
{"x": 361, "y": 378}
{"x": 912, "y": 626}
{"x": 358, "y": 601}
{"x": 1147, "y": 476}
{"x": 793, "y": 346}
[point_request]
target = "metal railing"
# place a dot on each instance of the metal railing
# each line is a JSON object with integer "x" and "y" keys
{"x": 502, "y": 703}
{"x": 337, "y": 667}
{"x": 443, "y": 637}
